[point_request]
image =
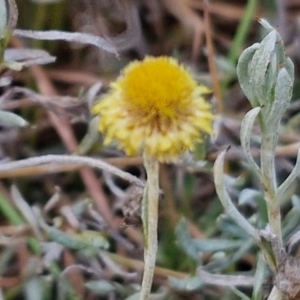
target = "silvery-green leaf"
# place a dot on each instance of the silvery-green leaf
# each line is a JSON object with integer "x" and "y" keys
{"x": 275, "y": 294}
{"x": 64, "y": 239}
{"x": 187, "y": 284}
{"x": 243, "y": 74}
{"x": 94, "y": 238}
{"x": 259, "y": 65}
{"x": 248, "y": 197}
{"x": 135, "y": 296}
{"x": 292, "y": 218}
{"x": 92, "y": 136}
{"x": 245, "y": 135}
{"x": 296, "y": 202}
{"x": 265, "y": 24}
{"x": 25, "y": 210}
{"x": 33, "y": 288}
{"x": 280, "y": 51}
{"x": 259, "y": 278}
{"x": 214, "y": 245}
{"x": 277, "y": 61}
{"x": 28, "y": 57}
{"x": 10, "y": 119}
{"x": 290, "y": 179}
{"x": 12, "y": 65}
{"x": 77, "y": 37}
{"x": 3, "y": 18}
{"x": 290, "y": 68}
{"x": 240, "y": 294}
{"x": 185, "y": 241}
{"x": 224, "y": 280}
{"x": 227, "y": 203}
{"x": 100, "y": 287}
{"x": 283, "y": 95}
{"x": 270, "y": 81}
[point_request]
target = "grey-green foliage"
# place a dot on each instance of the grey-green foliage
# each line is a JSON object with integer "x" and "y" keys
{"x": 266, "y": 76}
{"x": 194, "y": 247}
{"x": 11, "y": 120}
{"x": 3, "y": 17}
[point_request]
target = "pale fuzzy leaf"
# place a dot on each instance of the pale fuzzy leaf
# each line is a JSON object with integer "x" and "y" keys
{"x": 12, "y": 65}
{"x": 214, "y": 245}
{"x": 248, "y": 197}
{"x": 100, "y": 287}
{"x": 225, "y": 280}
{"x": 92, "y": 136}
{"x": 185, "y": 242}
{"x": 25, "y": 210}
{"x": 28, "y": 57}
{"x": 135, "y": 296}
{"x": 265, "y": 24}
{"x": 187, "y": 284}
{"x": 240, "y": 294}
{"x": 278, "y": 59}
{"x": 245, "y": 135}
{"x": 76, "y": 37}
{"x": 290, "y": 179}
{"x": 194, "y": 247}
{"x": 33, "y": 288}
{"x": 259, "y": 278}
{"x": 283, "y": 95}
{"x": 292, "y": 219}
{"x": 259, "y": 65}
{"x": 65, "y": 240}
{"x": 10, "y": 119}
{"x": 289, "y": 65}
{"x": 3, "y": 18}
{"x": 229, "y": 207}
{"x": 275, "y": 294}
{"x": 243, "y": 74}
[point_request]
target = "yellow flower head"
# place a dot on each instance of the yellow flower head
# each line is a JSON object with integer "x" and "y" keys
{"x": 155, "y": 107}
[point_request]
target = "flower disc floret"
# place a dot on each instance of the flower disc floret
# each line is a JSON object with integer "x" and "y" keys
{"x": 155, "y": 107}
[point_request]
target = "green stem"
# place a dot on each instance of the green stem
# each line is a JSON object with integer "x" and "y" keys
{"x": 269, "y": 182}
{"x": 150, "y": 220}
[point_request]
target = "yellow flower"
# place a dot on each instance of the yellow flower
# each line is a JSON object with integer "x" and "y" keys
{"x": 155, "y": 107}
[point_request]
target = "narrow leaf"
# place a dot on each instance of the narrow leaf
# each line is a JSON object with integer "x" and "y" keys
{"x": 283, "y": 95}
{"x": 290, "y": 68}
{"x": 25, "y": 210}
{"x": 100, "y": 287}
{"x": 246, "y": 133}
{"x": 28, "y": 57}
{"x": 65, "y": 239}
{"x": 259, "y": 278}
{"x": 77, "y": 37}
{"x": 225, "y": 199}
{"x": 243, "y": 74}
{"x": 3, "y": 18}
{"x": 290, "y": 179}
{"x": 10, "y": 119}
{"x": 259, "y": 65}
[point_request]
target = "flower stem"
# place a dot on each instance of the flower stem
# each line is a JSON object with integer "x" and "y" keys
{"x": 150, "y": 220}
